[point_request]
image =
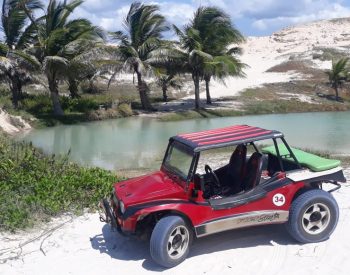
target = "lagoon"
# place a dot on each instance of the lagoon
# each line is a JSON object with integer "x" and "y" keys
{"x": 140, "y": 142}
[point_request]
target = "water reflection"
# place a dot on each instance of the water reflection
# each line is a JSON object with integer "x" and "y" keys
{"x": 140, "y": 142}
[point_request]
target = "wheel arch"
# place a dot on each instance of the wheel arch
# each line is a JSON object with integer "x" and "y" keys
{"x": 307, "y": 187}
{"x": 150, "y": 217}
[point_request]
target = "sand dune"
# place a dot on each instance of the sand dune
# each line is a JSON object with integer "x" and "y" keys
{"x": 297, "y": 43}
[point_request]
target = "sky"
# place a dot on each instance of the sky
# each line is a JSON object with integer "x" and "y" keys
{"x": 251, "y": 17}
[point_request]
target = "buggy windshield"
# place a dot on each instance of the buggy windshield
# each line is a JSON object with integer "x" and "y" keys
{"x": 178, "y": 160}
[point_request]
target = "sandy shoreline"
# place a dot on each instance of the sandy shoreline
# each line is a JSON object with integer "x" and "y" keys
{"x": 12, "y": 124}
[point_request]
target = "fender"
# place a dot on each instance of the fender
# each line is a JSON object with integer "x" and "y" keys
{"x": 158, "y": 206}
{"x": 306, "y": 175}
{"x": 136, "y": 213}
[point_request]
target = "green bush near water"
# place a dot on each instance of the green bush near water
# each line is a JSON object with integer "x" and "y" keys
{"x": 34, "y": 187}
{"x": 38, "y": 108}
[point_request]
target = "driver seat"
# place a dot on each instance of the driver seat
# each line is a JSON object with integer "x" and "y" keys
{"x": 253, "y": 171}
{"x": 235, "y": 170}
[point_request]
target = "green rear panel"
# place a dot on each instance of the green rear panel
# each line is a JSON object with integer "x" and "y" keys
{"x": 311, "y": 161}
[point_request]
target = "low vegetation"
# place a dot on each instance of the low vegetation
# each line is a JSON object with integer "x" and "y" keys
{"x": 323, "y": 53}
{"x": 88, "y": 107}
{"x": 35, "y": 187}
{"x": 45, "y": 40}
{"x": 200, "y": 113}
{"x": 275, "y": 98}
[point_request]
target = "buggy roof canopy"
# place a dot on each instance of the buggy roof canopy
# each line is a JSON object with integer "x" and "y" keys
{"x": 232, "y": 135}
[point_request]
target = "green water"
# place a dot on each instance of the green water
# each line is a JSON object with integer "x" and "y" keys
{"x": 140, "y": 142}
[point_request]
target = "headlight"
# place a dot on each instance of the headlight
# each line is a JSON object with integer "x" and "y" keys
{"x": 122, "y": 207}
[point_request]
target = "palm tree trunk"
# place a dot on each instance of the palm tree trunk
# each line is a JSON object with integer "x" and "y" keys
{"x": 336, "y": 92}
{"x": 195, "y": 77}
{"x": 164, "y": 89}
{"x": 146, "y": 105}
{"x": 73, "y": 88}
{"x": 207, "y": 83}
{"x": 57, "y": 109}
{"x": 16, "y": 89}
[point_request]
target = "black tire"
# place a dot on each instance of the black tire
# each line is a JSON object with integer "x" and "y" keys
{"x": 170, "y": 228}
{"x": 313, "y": 216}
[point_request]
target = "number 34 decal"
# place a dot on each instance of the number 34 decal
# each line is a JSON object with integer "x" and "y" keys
{"x": 279, "y": 199}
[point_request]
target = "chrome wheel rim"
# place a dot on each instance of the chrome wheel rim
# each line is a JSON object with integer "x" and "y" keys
{"x": 316, "y": 218}
{"x": 178, "y": 242}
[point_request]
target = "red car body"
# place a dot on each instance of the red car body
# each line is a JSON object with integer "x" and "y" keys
{"x": 138, "y": 203}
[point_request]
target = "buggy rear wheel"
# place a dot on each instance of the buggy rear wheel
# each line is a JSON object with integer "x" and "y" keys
{"x": 313, "y": 216}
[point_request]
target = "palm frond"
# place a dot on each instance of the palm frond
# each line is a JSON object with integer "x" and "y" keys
{"x": 27, "y": 60}
{"x": 197, "y": 57}
{"x": 68, "y": 9}
{"x": 13, "y": 21}
{"x": 31, "y": 5}
{"x": 6, "y": 64}
{"x": 3, "y": 49}
{"x": 235, "y": 51}
{"x": 339, "y": 70}
{"x": 27, "y": 38}
{"x": 143, "y": 24}
{"x": 121, "y": 37}
{"x": 55, "y": 64}
{"x": 83, "y": 29}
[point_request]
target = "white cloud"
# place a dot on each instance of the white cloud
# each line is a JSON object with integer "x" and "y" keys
{"x": 110, "y": 20}
{"x": 272, "y": 14}
{"x": 95, "y": 6}
{"x": 260, "y": 25}
{"x": 332, "y": 11}
{"x": 260, "y": 15}
{"x": 175, "y": 13}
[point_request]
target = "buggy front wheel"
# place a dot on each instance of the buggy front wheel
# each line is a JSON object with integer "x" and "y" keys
{"x": 170, "y": 241}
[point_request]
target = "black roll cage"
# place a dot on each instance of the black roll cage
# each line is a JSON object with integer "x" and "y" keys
{"x": 196, "y": 155}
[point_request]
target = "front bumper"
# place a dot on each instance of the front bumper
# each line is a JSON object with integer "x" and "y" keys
{"x": 111, "y": 214}
{"x": 107, "y": 215}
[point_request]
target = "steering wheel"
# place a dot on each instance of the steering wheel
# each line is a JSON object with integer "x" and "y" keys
{"x": 210, "y": 171}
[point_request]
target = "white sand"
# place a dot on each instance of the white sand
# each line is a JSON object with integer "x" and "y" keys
{"x": 86, "y": 246}
{"x": 12, "y": 124}
{"x": 256, "y": 75}
{"x": 297, "y": 43}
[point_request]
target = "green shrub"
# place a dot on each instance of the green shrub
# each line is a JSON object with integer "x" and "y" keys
{"x": 125, "y": 109}
{"x": 35, "y": 186}
{"x": 82, "y": 104}
{"x": 37, "y": 104}
{"x": 87, "y": 88}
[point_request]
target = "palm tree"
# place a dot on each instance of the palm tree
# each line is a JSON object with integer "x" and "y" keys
{"x": 84, "y": 63}
{"x": 167, "y": 71}
{"x": 167, "y": 80}
{"x": 204, "y": 48}
{"x": 60, "y": 41}
{"x": 143, "y": 33}
{"x": 190, "y": 53}
{"x": 15, "y": 62}
{"x": 338, "y": 72}
{"x": 220, "y": 67}
{"x": 217, "y": 34}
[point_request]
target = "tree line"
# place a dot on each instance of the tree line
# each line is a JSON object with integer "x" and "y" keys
{"x": 39, "y": 38}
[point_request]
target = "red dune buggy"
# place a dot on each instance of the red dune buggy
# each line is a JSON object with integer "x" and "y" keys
{"x": 261, "y": 181}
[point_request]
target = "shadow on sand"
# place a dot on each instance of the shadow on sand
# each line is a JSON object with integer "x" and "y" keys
{"x": 130, "y": 249}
